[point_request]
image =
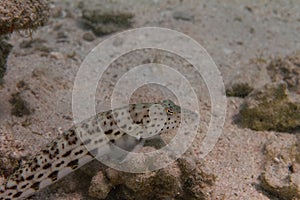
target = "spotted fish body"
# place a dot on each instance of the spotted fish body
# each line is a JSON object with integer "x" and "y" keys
{"x": 124, "y": 127}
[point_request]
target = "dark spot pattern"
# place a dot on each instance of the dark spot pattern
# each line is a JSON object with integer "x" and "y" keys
{"x": 35, "y": 186}
{"x": 53, "y": 175}
{"x": 40, "y": 175}
{"x": 67, "y": 154}
{"x": 23, "y": 186}
{"x": 46, "y": 166}
{"x": 73, "y": 164}
{"x": 59, "y": 164}
{"x": 65, "y": 145}
{"x": 12, "y": 187}
{"x": 78, "y": 152}
{"x": 17, "y": 194}
{"x": 30, "y": 177}
{"x": 108, "y": 132}
{"x": 117, "y": 133}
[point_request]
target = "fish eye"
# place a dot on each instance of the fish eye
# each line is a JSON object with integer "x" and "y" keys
{"x": 170, "y": 111}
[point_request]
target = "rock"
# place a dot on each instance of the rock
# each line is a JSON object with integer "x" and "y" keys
{"x": 181, "y": 180}
{"x": 104, "y": 19}
{"x": 32, "y": 43}
{"x": 239, "y": 90}
{"x": 57, "y": 55}
{"x": 22, "y": 14}
{"x": 88, "y": 36}
{"x": 270, "y": 108}
{"x": 19, "y": 106}
{"x": 281, "y": 176}
{"x": 62, "y": 36}
{"x": 100, "y": 186}
{"x": 36, "y": 44}
{"x": 286, "y": 69}
{"x": 180, "y": 15}
{"x": 196, "y": 180}
{"x": 5, "y": 49}
{"x": 8, "y": 164}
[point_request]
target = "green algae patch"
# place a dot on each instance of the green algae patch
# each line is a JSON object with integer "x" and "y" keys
{"x": 286, "y": 69}
{"x": 269, "y": 109}
{"x": 105, "y": 19}
{"x": 19, "y": 106}
{"x": 239, "y": 90}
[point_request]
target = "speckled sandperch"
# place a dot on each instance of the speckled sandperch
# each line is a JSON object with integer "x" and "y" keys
{"x": 69, "y": 151}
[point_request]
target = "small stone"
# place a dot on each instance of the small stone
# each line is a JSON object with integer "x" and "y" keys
{"x": 62, "y": 35}
{"x": 286, "y": 69}
{"x": 281, "y": 178}
{"x": 57, "y": 55}
{"x": 181, "y": 180}
{"x": 239, "y": 90}
{"x": 118, "y": 42}
{"x": 100, "y": 186}
{"x": 32, "y": 43}
{"x": 179, "y": 15}
{"x": 88, "y": 36}
{"x": 270, "y": 108}
{"x": 104, "y": 19}
{"x": 20, "y": 15}
{"x": 227, "y": 50}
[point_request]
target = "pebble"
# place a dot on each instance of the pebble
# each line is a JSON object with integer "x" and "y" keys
{"x": 88, "y": 36}
{"x": 179, "y": 15}
{"x": 57, "y": 55}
